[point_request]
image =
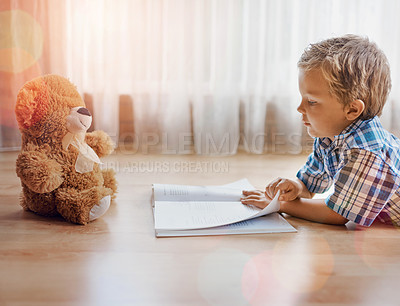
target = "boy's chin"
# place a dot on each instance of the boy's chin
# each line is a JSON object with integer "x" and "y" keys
{"x": 313, "y": 133}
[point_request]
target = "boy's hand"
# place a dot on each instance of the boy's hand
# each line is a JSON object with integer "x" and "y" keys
{"x": 289, "y": 189}
{"x": 255, "y": 197}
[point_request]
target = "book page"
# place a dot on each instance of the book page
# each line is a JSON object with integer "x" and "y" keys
{"x": 229, "y": 192}
{"x": 272, "y": 223}
{"x": 203, "y": 214}
{"x": 195, "y": 193}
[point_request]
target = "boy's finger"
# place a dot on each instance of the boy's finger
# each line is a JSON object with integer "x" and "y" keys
{"x": 249, "y": 192}
{"x": 284, "y": 186}
{"x": 268, "y": 197}
{"x": 287, "y": 196}
{"x": 252, "y": 197}
{"x": 257, "y": 203}
{"x": 271, "y": 189}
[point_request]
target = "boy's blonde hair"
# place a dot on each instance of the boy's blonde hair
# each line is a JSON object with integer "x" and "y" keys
{"x": 354, "y": 67}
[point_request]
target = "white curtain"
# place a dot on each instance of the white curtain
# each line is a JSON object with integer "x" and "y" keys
{"x": 208, "y": 76}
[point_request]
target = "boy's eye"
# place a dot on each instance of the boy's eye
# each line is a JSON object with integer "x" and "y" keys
{"x": 312, "y": 102}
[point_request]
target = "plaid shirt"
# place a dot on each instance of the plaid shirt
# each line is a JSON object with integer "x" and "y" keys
{"x": 363, "y": 163}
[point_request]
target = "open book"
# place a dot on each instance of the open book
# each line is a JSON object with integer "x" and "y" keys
{"x": 184, "y": 210}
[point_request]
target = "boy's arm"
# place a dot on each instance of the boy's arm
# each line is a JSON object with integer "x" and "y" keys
{"x": 312, "y": 210}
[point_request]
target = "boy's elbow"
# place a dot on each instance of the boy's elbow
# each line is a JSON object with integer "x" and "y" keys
{"x": 343, "y": 221}
{"x": 337, "y": 219}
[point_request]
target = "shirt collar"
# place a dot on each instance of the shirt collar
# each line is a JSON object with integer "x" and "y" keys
{"x": 326, "y": 142}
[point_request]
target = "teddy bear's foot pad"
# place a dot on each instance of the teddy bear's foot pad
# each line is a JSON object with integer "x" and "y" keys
{"x": 100, "y": 209}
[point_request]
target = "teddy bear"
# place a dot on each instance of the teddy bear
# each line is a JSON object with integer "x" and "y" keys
{"x": 59, "y": 162}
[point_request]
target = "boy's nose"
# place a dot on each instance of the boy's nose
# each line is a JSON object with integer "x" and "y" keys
{"x": 300, "y": 108}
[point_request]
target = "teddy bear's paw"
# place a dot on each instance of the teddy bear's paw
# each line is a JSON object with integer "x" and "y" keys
{"x": 109, "y": 180}
{"x": 100, "y": 142}
{"x": 100, "y": 209}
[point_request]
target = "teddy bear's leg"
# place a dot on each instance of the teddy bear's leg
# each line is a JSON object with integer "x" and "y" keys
{"x": 40, "y": 203}
{"x": 75, "y": 206}
{"x": 100, "y": 209}
{"x": 109, "y": 180}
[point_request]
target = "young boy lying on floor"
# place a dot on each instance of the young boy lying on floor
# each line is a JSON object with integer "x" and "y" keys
{"x": 344, "y": 83}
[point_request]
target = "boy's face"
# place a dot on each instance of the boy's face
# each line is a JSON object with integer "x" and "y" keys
{"x": 322, "y": 113}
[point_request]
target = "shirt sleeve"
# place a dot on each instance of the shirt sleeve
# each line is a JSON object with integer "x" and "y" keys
{"x": 313, "y": 173}
{"x": 362, "y": 187}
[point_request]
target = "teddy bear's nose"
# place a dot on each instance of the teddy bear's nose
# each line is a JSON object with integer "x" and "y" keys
{"x": 84, "y": 111}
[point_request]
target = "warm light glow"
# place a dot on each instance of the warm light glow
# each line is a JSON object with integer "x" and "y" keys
{"x": 303, "y": 266}
{"x": 21, "y": 42}
{"x": 373, "y": 250}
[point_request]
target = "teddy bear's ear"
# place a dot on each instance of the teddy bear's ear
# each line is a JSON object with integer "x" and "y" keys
{"x": 32, "y": 103}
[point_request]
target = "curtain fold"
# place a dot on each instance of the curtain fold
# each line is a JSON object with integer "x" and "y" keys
{"x": 199, "y": 76}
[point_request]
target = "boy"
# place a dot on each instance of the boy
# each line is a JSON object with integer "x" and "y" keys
{"x": 344, "y": 83}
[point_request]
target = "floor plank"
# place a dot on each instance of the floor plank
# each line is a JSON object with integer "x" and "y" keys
{"x": 117, "y": 259}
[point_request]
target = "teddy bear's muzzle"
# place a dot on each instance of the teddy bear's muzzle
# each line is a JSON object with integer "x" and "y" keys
{"x": 79, "y": 120}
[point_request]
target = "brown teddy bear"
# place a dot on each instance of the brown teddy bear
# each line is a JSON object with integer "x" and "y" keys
{"x": 59, "y": 162}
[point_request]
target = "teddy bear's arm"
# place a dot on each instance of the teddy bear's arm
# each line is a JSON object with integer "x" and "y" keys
{"x": 38, "y": 172}
{"x": 100, "y": 142}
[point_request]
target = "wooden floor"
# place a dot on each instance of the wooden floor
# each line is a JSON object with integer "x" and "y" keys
{"x": 116, "y": 260}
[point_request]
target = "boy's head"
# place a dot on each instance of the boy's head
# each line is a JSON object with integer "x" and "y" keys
{"x": 355, "y": 69}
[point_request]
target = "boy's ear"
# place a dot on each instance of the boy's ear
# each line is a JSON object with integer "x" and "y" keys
{"x": 354, "y": 109}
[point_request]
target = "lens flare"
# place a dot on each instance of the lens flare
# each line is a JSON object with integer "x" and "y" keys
{"x": 303, "y": 266}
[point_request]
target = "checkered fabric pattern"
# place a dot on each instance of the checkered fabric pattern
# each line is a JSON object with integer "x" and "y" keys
{"x": 363, "y": 163}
